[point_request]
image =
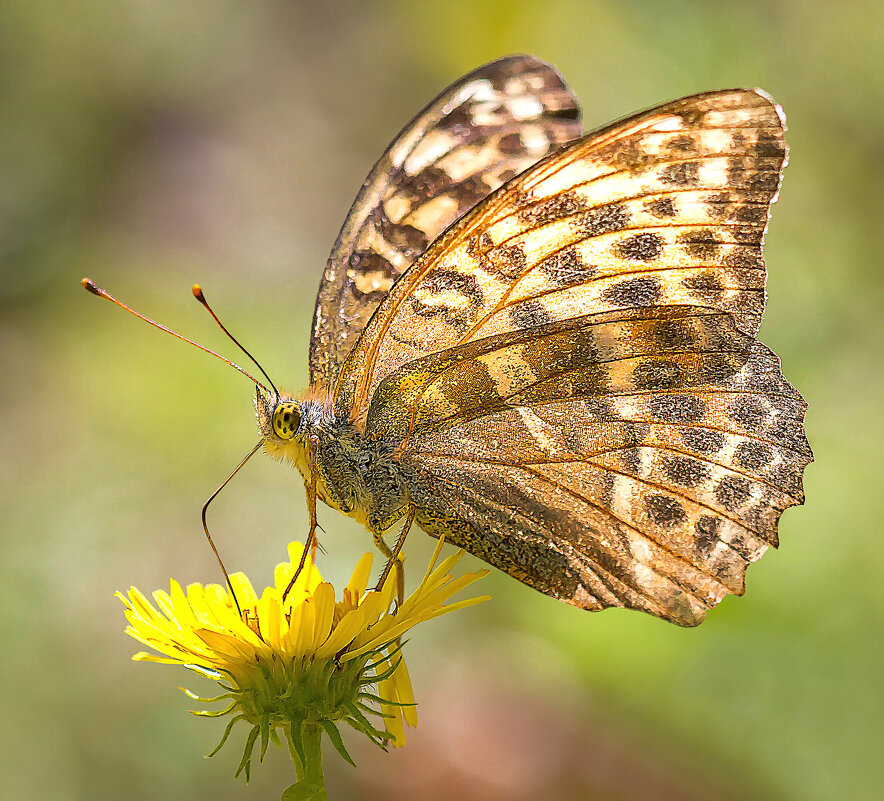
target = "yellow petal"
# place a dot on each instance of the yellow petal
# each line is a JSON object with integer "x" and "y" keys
{"x": 245, "y": 592}
{"x": 182, "y": 609}
{"x": 392, "y": 723}
{"x": 270, "y": 618}
{"x": 324, "y": 598}
{"x": 359, "y": 580}
{"x": 304, "y": 644}
{"x": 289, "y": 643}
{"x": 404, "y": 692}
{"x": 346, "y": 631}
{"x": 164, "y": 603}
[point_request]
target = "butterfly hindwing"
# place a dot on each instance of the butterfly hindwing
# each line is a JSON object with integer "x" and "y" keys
{"x": 665, "y": 208}
{"x": 652, "y": 500}
{"x": 480, "y": 132}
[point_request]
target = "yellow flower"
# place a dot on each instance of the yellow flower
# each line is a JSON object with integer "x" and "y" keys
{"x": 301, "y": 664}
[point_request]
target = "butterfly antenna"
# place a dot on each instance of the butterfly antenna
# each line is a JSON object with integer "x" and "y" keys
{"x": 206, "y": 526}
{"x": 198, "y": 294}
{"x": 92, "y": 287}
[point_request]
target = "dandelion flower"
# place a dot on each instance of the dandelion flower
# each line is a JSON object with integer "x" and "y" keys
{"x": 295, "y": 667}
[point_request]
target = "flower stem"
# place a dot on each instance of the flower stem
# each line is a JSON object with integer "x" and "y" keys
{"x": 311, "y": 779}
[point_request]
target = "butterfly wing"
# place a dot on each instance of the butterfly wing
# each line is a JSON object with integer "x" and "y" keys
{"x": 666, "y": 207}
{"x": 480, "y": 132}
{"x": 636, "y": 458}
{"x": 571, "y": 371}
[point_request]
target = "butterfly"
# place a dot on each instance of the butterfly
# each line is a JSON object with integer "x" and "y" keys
{"x": 541, "y": 345}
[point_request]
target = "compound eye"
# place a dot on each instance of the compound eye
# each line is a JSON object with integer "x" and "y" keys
{"x": 286, "y": 420}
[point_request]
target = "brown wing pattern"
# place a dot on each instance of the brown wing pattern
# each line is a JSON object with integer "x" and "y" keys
{"x": 651, "y": 499}
{"x": 665, "y": 208}
{"x": 480, "y": 132}
{"x": 634, "y": 350}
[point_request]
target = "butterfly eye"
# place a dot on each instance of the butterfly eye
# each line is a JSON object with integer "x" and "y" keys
{"x": 286, "y": 420}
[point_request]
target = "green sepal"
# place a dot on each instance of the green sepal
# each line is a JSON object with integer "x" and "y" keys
{"x": 297, "y": 741}
{"x": 245, "y": 764}
{"x": 208, "y": 713}
{"x": 372, "y": 711}
{"x": 337, "y": 741}
{"x": 387, "y": 673}
{"x": 361, "y": 723}
{"x": 265, "y": 736}
{"x": 386, "y": 657}
{"x": 377, "y": 699}
{"x": 191, "y": 694}
{"x": 225, "y": 735}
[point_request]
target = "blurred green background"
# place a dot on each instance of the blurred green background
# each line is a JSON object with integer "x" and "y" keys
{"x": 153, "y": 144}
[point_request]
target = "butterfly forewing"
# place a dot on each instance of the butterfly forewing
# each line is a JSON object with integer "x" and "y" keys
{"x": 487, "y": 127}
{"x": 665, "y": 208}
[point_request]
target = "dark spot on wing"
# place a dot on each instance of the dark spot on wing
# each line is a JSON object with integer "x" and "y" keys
{"x": 768, "y": 145}
{"x": 744, "y": 256}
{"x": 640, "y": 247}
{"x": 677, "y": 408}
{"x": 552, "y": 208}
{"x": 719, "y": 205}
{"x": 366, "y": 262}
{"x": 732, "y": 492}
{"x": 706, "y": 286}
{"x": 661, "y": 207}
{"x": 707, "y": 534}
{"x": 764, "y": 182}
{"x": 703, "y": 440}
{"x": 751, "y": 213}
{"x": 566, "y": 268}
{"x": 633, "y": 292}
{"x": 684, "y": 470}
{"x": 701, "y": 244}
{"x": 683, "y": 144}
{"x": 631, "y": 459}
{"x": 407, "y": 239}
{"x": 748, "y": 234}
{"x": 673, "y": 335}
{"x": 684, "y": 173}
{"x": 509, "y": 261}
{"x": 603, "y": 220}
{"x": 428, "y": 183}
{"x": 441, "y": 280}
{"x": 423, "y": 303}
{"x": 753, "y": 455}
{"x": 749, "y": 413}
{"x": 529, "y": 313}
{"x": 607, "y": 488}
{"x": 510, "y": 144}
{"x": 657, "y": 374}
{"x": 664, "y": 511}
{"x": 478, "y": 246}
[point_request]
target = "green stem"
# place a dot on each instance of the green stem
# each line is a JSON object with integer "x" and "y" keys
{"x": 311, "y": 779}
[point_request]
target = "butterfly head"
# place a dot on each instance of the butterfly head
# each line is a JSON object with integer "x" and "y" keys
{"x": 286, "y": 419}
{"x": 280, "y": 417}
{"x": 289, "y": 423}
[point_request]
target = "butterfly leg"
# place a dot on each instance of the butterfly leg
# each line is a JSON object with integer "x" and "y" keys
{"x": 393, "y": 556}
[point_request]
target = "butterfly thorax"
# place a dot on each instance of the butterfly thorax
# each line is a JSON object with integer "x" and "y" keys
{"x": 354, "y": 474}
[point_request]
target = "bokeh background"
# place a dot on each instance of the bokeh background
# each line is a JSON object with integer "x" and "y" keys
{"x": 154, "y": 144}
